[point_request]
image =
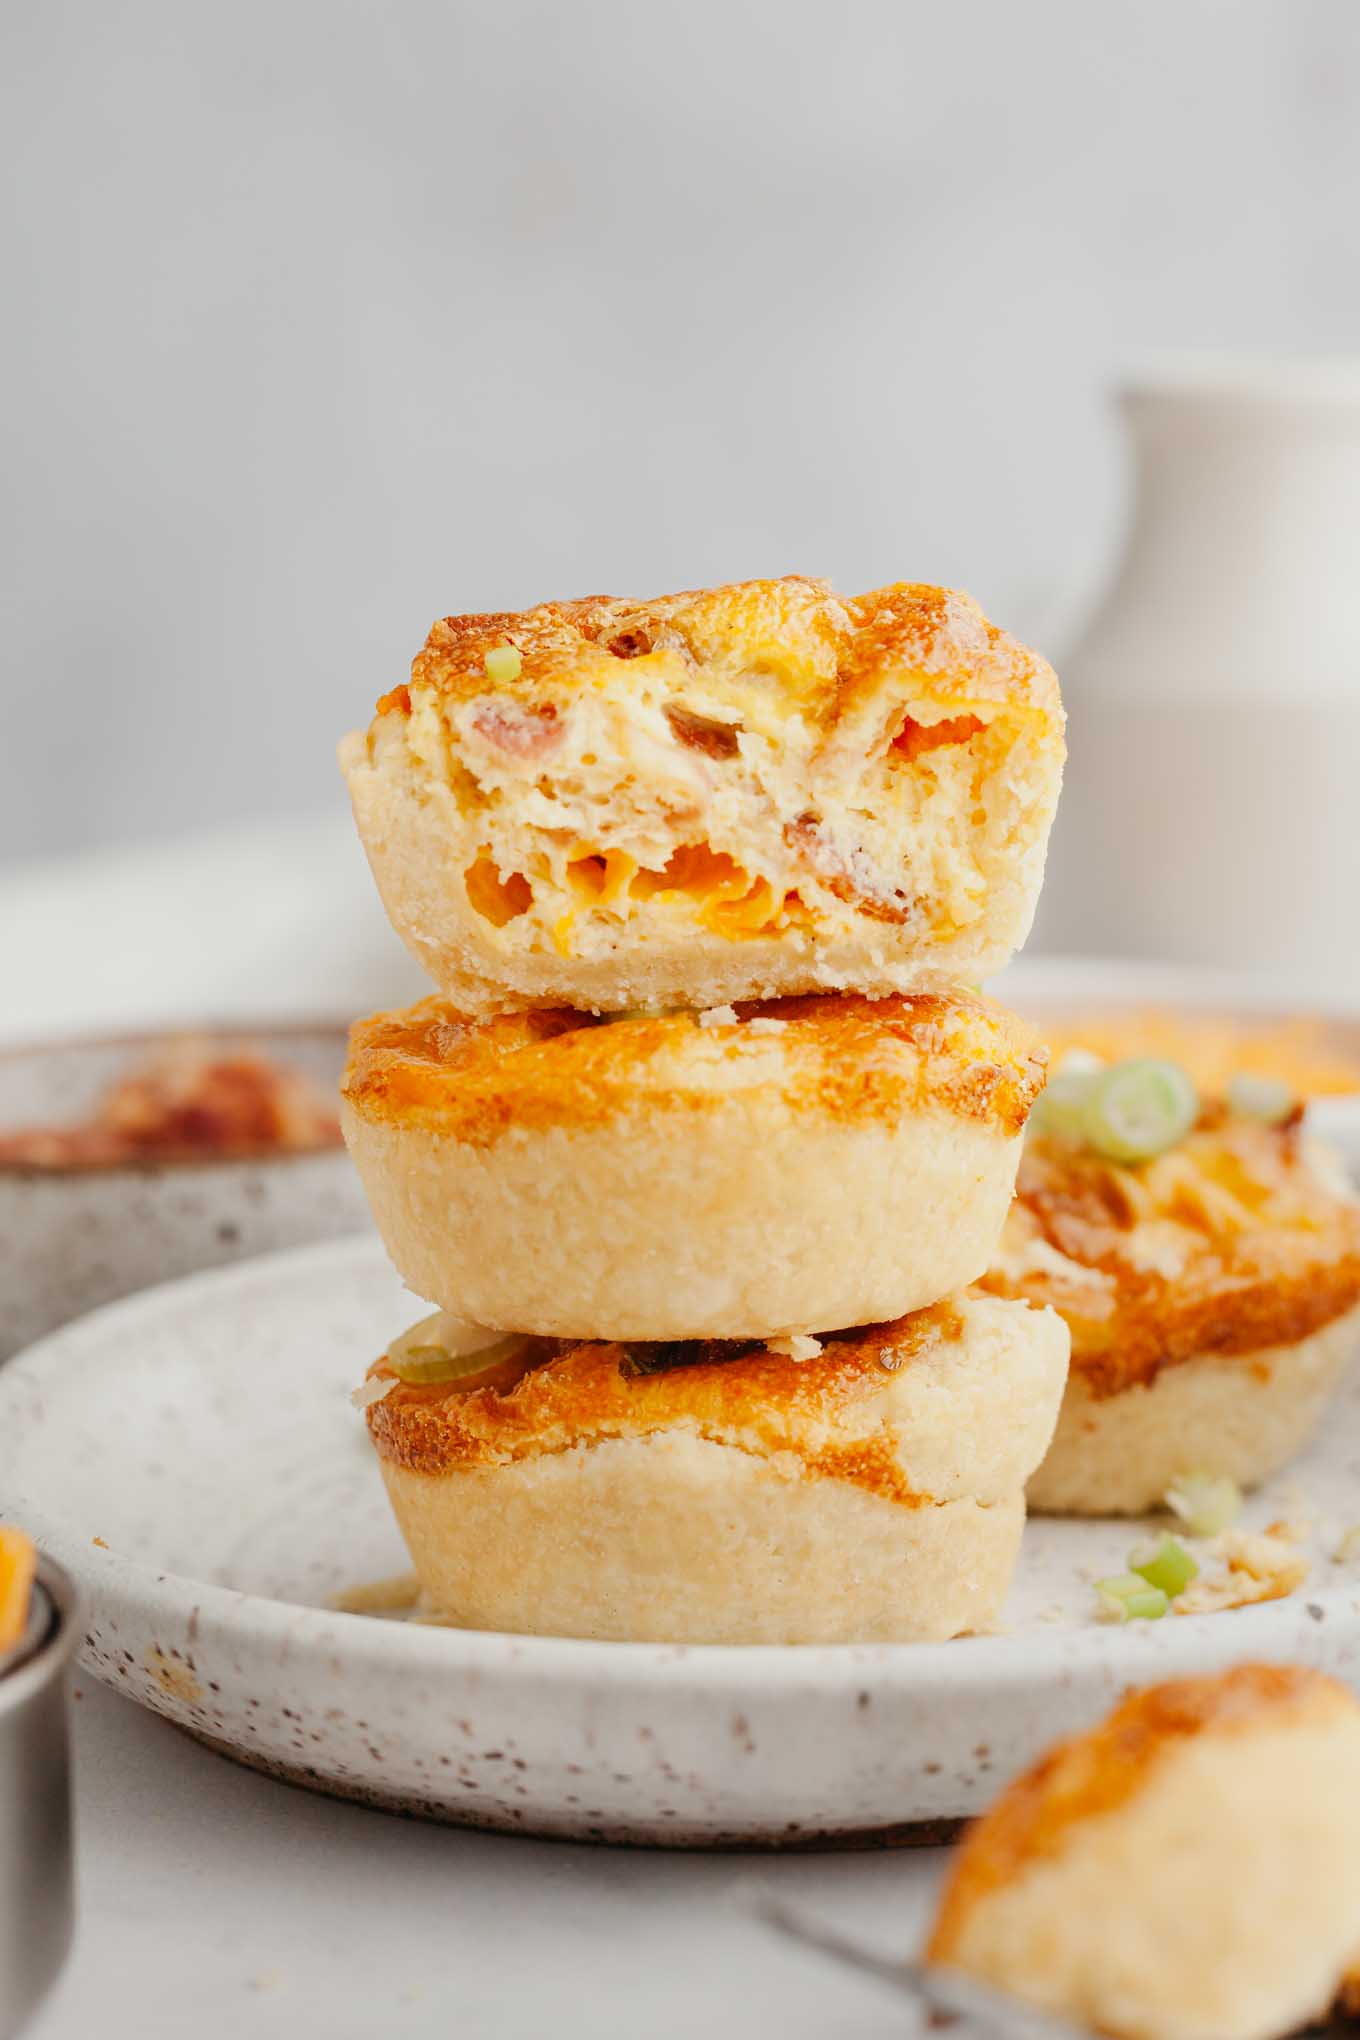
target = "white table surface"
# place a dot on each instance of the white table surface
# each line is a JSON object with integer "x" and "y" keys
{"x": 221, "y": 1904}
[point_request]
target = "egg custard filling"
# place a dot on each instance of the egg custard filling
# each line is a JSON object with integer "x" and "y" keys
{"x": 763, "y": 763}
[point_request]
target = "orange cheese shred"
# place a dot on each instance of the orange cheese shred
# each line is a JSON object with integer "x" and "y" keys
{"x": 18, "y": 1565}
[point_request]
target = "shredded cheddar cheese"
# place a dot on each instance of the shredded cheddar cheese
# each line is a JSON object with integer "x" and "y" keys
{"x": 601, "y": 878}
{"x": 754, "y": 912}
{"x": 497, "y": 898}
{"x": 1266, "y": 1566}
{"x": 1303, "y": 1053}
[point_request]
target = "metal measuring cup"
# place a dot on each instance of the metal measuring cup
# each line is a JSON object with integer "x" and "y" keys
{"x": 36, "y": 1871}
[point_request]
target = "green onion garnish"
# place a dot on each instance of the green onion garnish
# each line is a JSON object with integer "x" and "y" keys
{"x": 1127, "y": 1597}
{"x": 1164, "y": 1563}
{"x": 1079, "y": 1062}
{"x": 1138, "y": 1109}
{"x": 1205, "y": 1502}
{"x": 442, "y": 1348}
{"x": 503, "y": 662}
{"x": 1268, "y": 1099}
{"x": 1061, "y": 1106}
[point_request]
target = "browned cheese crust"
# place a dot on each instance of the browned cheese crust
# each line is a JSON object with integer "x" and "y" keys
{"x": 842, "y": 1056}
{"x": 831, "y": 653}
{"x": 728, "y": 1392}
{"x": 1230, "y": 1244}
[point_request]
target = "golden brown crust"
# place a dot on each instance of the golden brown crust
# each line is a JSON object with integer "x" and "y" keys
{"x": 733, "y": 1393}
{"x": 850, "y": 1058}
{"x": 942, "y": 632}
{"x": 823, "y": 1162}
{"x": 828, "y": 652}
{"x": 1231, "y": 1244}
{"x": 1097, "y": 1773}
{"x": 1348, "y": 1994}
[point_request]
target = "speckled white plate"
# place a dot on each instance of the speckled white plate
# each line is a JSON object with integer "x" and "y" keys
{"x": 192, "y": 1456}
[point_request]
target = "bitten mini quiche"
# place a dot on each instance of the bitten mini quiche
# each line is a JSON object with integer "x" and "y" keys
{"x": 737, "y": 793}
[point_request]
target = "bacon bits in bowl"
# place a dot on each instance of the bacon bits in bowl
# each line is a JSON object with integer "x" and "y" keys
{"x": 127, "y": 1162}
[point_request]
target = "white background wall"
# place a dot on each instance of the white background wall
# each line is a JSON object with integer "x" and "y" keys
{"x": 324, "y": 319}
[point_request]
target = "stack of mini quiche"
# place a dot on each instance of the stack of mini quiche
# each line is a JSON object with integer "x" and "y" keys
{"x": 706, "y": 1133}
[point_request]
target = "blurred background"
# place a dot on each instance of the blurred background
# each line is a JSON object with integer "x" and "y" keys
{"x": 326, "y": 319}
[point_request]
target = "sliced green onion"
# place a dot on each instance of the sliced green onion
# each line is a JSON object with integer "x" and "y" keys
{"x": 1164, "y": 1563}
{"x": 1268, "y": 1099}
{"x": 1139, "y": 1108}
{"x": 1079, "y": 1062}
{"x": 1127, "y": 1597}
{"x": 503, "y": 662}
{"x": 445, "y": 1348}
{"x": 1205, "y": 1502}
{"x": 637, "y": 1013}
{"x": 1061, "y": 1107}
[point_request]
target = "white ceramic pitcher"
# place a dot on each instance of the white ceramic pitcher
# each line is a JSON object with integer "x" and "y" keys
{"x": 1211, "y": 812}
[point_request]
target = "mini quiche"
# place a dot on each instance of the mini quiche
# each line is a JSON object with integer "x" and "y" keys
{"x": 737, "y": 793}
{"x": 782, "y": 1167}
{"x": 866, "y": 1487}
{"x": 1212, "y": 1292}
{"x": 1188, "y": 1870}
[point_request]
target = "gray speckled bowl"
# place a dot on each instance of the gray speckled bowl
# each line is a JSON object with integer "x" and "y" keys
{"x": 73, "y": 1239}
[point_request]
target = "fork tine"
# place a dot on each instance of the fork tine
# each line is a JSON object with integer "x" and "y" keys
{"x": 941, "y": 1991}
